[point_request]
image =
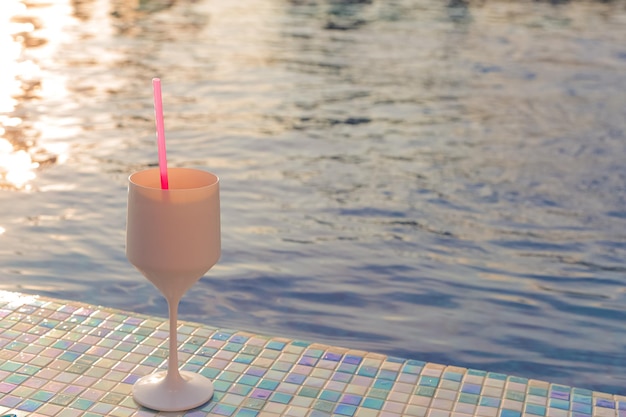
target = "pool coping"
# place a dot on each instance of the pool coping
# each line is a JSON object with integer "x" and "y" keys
{"x": 69, "y": 359}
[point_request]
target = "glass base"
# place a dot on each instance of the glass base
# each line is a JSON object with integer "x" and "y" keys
{"x": 153, "y": 392}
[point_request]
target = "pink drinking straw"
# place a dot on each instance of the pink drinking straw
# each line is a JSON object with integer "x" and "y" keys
{"x": 158, "y": 113}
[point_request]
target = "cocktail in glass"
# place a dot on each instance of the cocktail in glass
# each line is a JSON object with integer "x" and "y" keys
{"x": 173, "y": 239}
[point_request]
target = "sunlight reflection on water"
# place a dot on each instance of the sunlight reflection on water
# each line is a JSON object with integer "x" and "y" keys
{"x": 20, "y": 83}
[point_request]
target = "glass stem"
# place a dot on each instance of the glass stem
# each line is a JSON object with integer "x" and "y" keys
{"x": 173, "y": 377}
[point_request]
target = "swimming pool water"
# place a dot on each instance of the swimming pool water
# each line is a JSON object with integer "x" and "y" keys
{"x": 443, "y": 182}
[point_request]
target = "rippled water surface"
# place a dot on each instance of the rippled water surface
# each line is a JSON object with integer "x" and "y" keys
{"x": 444, "y": 182}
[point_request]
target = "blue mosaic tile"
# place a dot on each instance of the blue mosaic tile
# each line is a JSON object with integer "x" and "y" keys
{"x": 425, "y": 391}
{"x": 330, "y": 356}
{"x": 560, "y": 404}
{"x": 268, "y": 385}
{"x": 50, "y": 324}
{"x": 253, "y": 403}
{"x": 255, "y": 371}
{"x": 342, "y": 377}
{"x": 10, "y": 401}
{"x": 428, "y": 381}
{"x": 309, "y": 392}
{"x": 295, "y": 378}
{"x": 515, "y": 395}
{"x": 82, "y": 404}
{"x": 221, "y": 385}
{"x": 471, "y": 388}
{"x": 509, "y": 413}
{"x": 345, "y": 410}
{"x": 316, "y": 413}
{"x": 195, "y": 360}
{"x": 417, "y": 363}
{"x": 469, "y": 398}
{"x": 239, "y": 339}
{"x": 221, "y": 336}
{"x": 281, "y": 397}
{"x": 373, "y": 403}
{"x": 387, "y": 375}
{"x": 535, "y": 409}
{"x": 382, "y": 394}
{"x": 382, "y": 384}
{"x": 30, "y": 405}
{"x": 210, "y": 373}
{"x": 246, "y": 412}
{"x": 453, "y": 376}
{"x": 330, "y": 395}
{"x": 490, "y": 402}
{"x": 207, "y": 351}
{"x": 582, "y": 391}
{"x": 262, "y": 394}
{"x": 224, "y": 410}
{"x": 583, "y": 399}
{"x": 476, "y": 372}
{"x": 560, "y": 395}
{"x": 351, "y": 399}
{"x": 16, "y": 379}
{"x": 369, "y": 371}
{"x": 602, "y": 402}
{"x": 69, "y": 356}
{"x": 353, "y": 360}
{"x": 347, "y": 368}
{"x": 228, "y": 376}
{"x": 324, "y": 406}
{"x": 242, "y": 390}
{"x": 582, "y": 408}
{"x": 10, "y": 366}
{"x": 314, "y": 353}
{"x": 251, "y": 350}
{"x": 411, "y": 369}
{"x": 253, "y": 376}
{"x": 62, "y": 344}
{"x": 131, "y": 379}
{"x": 307, "y": 361}
{"x": 232, "y": 347}
{"x": 249, "y": 380}
{"x": 282, "y": 366}
{"x": 42, "y": 396}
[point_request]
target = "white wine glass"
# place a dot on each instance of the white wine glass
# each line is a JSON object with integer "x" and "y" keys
{"x": 173, "y": 239}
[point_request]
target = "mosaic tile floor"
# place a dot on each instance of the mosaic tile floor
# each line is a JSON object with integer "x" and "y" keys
{"x": 69, "y": 359}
